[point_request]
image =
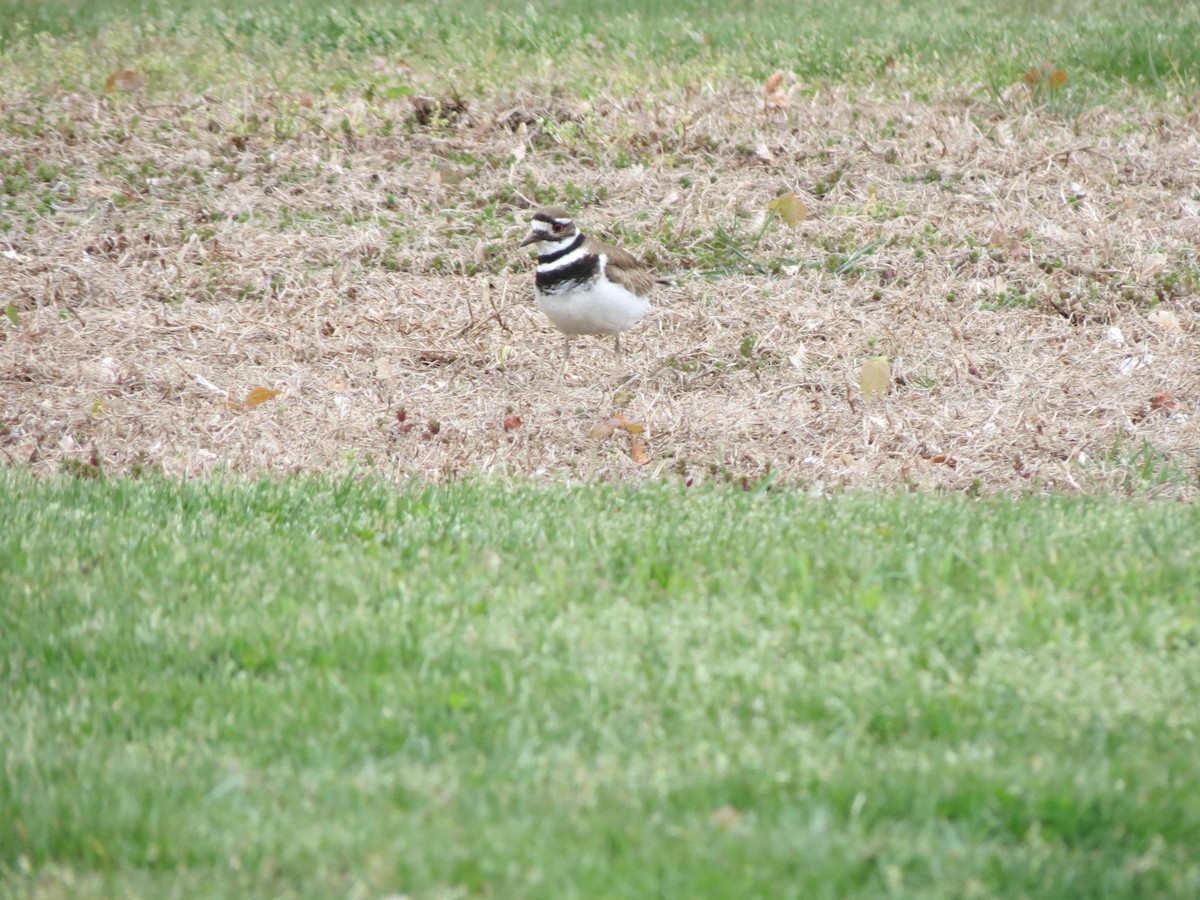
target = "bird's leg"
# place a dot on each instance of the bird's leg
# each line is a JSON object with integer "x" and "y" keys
{"x": 562, "y": 372}
{"x": 617, "y": 350}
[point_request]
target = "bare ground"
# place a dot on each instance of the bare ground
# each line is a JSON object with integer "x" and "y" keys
{"x": 1032, "y": 279}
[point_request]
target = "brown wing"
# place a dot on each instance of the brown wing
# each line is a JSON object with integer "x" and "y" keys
{"x": 625, "y": 269}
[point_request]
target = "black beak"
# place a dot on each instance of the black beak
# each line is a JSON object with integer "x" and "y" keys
{"x": 533, "y": 238}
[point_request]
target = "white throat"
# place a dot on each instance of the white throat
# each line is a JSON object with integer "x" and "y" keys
{"x": 556, "y": 262}
{"x": 550, "y": 247}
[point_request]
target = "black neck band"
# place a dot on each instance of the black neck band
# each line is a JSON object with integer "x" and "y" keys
{"x": 559, "y": 254}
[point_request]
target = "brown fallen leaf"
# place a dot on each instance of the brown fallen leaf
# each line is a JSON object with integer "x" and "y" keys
{"x": 944, "y": 460}
{"x": 1162, "y": 401}
{"x": 638, "y": 453}
{"x": 449, "y": 175}
{"x": 773, "y": 95}
{"x": 512, "y": 422}
{"x": 124, "y": 80}
{"x": 602, "y": 430}
{"x": 1046, "y": 75}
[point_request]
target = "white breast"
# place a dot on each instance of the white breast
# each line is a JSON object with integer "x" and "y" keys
{"x": 600, "y": 308}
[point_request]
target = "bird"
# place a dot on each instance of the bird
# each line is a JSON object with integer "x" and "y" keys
{"x": 584, "y": 286}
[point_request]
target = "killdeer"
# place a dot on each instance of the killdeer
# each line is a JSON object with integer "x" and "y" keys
{"x": 584, "y": 286}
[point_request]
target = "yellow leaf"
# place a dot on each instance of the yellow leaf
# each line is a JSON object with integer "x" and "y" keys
{"x": 790, "y": 208}
{"x": 875, "y": 376}
{"x": 260, "y": 395}
{"x": 631, "y": 427}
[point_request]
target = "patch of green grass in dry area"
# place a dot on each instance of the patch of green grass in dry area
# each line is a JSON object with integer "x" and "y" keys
{"x": 605, "y": 45}
{"x": 316, "y": 688}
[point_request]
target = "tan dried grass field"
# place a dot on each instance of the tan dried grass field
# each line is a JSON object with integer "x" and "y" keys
{"x": 1031, "y": 278}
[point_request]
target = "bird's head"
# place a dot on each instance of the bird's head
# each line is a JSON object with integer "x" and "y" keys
{"x": 551, "y": 225}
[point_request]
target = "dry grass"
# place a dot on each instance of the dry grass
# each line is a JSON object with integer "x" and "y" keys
{"x": 1031, "y": 278}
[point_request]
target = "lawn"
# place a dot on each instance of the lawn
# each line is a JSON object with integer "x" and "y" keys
{"x": 626, "y": 45}
{"x": 317, "y": 688}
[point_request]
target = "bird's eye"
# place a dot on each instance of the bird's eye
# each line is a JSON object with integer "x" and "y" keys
{"x": 559, "y": 227}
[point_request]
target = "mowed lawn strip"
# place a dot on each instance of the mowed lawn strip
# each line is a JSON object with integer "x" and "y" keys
{"x": 586, "y": 47}
{"x": 317, "y": 688}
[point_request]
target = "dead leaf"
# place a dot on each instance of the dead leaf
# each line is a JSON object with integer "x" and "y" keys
{"x": 602, "y": 430}
{"x": 790, "y": 208}
{"x": 124, "y": 80}
{"x": 631, "y": 427}
{"x": 260, "y": 395}
{"x": 944, "y": 460}
{"x": 1045, "y": 75}
{"x": 1164, "y": 319}
{"x": 874, "y": 377}
{"x": 383, "y": 370}
{"x": 773, "y": 95}
{"x": 638, "y": 453}
{"x": 449, "y": 175}
{"x": 512, "y": 422}
{"x": 1162, "y": 401}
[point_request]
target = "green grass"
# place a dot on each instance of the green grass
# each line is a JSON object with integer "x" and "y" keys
{"x": 584, "y": 46}
{"x": 310, "y": 688}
